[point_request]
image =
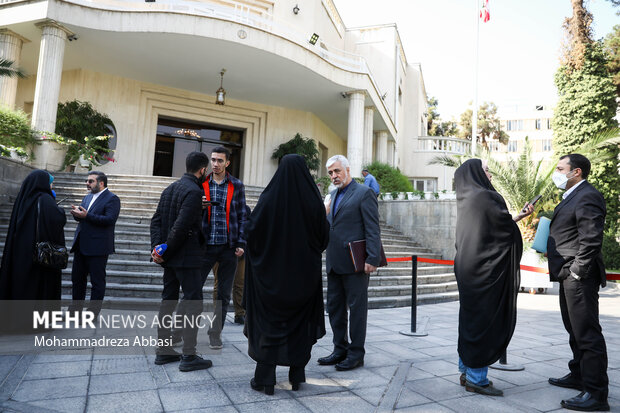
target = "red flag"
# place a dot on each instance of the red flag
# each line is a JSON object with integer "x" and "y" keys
{"x": 485, "y": 14}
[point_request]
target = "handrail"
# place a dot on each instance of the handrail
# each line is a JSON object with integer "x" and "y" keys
{"x": 443, "y": 144}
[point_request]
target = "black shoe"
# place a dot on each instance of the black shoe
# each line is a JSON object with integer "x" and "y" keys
{"x": 191, "y": 363}
{"x": 349, "y": 364}
{"x": 239, "y": 319}
{"x": 165, "y": 356}
{"x": 568, "y": 381}
{"x": 332, "y": 359}
{"x": 215, "y": 341}
{"x": 295, "y": 386}
{"x": 268, "y": 389}
{"x": 463, "y": 380}
{"x": 487, "y": 390}
{"x": 584, "y": 402}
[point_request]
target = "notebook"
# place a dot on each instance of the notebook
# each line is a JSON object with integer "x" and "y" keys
{"x": 359, "y": 255}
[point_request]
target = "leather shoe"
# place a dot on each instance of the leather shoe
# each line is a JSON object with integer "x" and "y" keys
{"x": 585, "y": 402}
{"x": 349, "y": 364}
{"x": 463, "y": 380}
{"x": 332, "y": 359}
{"x": 487, "y": 390}
{"x": 568, "y": 381}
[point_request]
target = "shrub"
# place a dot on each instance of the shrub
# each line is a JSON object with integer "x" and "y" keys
{"x": 390, "y": 179}
{"x": 611, "y": 250}
{"x": 15, "y": 129}
{"x": 306, "y": 147}
{"x": 77, "y": 120}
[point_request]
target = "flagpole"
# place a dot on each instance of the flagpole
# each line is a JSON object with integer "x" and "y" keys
{"x": 474, "y": 115}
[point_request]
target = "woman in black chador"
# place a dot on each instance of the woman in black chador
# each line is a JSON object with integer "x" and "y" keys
{"x": 20, "y": 277}
{"x": 287, "y": 233}
{"x": 488, "y": 251}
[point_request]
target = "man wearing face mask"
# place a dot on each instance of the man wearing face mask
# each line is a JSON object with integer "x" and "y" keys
{"x": 177, "y": 224}
{"x": 576, "y": 261}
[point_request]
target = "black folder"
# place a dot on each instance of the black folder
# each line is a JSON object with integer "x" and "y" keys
{"x": 359, "y": 255}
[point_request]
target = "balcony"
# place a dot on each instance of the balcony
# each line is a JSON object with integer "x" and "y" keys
{"x": 440, "y": 144}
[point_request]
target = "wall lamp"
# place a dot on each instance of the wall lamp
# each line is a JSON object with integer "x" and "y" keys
{"x": 296, "y": 9}
{"x": 220, "y": 94}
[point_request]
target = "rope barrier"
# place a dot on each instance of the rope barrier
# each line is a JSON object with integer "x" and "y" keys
{"x": 610, "y": 276}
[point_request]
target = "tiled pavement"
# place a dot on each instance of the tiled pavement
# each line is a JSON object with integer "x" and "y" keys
{"x": 401, "y": 373}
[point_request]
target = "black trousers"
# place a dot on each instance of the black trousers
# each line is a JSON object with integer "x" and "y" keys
{"x": 82, "y": 266}
{"x": 227, "y": 265}
{"x": 348, "y": 290}
{"x": 190, "y": 280}
{"x": 579, "y": 307}
{"x": 265, "y": 374}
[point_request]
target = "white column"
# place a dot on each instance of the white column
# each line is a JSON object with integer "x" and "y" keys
{"x": 10, "y": 49}
{"x": 49, "y": 74}
{"x": 368, "y": 135}
{"x": 355, "y": 133}
{"x": 382, "y": 146}
{"x": 390, "y": 153}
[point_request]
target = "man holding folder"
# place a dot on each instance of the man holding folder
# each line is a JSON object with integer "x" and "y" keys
{"x": 353, "y": 215}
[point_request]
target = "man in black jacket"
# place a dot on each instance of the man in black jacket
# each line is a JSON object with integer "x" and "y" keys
{"x": 575, "y": 260}
{"x": 177, "y": 223}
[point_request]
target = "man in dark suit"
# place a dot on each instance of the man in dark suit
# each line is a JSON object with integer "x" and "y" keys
{"x": 575, "y": 260}
{"x": 353, "y": 215}
{"x": 93, "y": 240}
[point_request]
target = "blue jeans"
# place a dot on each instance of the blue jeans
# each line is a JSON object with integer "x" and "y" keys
{"x": 474, "y": 376}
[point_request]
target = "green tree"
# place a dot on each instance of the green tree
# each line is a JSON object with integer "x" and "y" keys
{"x": 489, "y": 125}
{"x": 306, "y": 147}
{"x": 437, "y": 127}
{"x": 612, "y": 49}
{"x": 15, "y": 128}
{"x": 390, "y": 179}
{"x": 8, "y": 69}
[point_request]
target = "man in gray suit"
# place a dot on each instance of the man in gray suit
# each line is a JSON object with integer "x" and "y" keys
{"x": 353, "y": 215}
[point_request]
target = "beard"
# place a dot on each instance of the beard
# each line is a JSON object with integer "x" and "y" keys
{"x": 341, "y": 184}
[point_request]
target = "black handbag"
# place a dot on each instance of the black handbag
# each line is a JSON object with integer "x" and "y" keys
{"x": 48, "y": 254}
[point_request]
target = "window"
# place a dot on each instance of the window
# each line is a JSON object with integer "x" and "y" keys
{"x": 546, "y": 145}
{"x": 538, "y": 122}
{"x": 493, "y": 146}
{"x": 512, "y": 146}
{"x": 549, "y": 123}
{"x": 425, "y": 184}
{"x": 514, "y": 124}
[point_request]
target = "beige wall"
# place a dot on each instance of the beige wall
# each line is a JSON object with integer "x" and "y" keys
{"x": 135, "y": 106}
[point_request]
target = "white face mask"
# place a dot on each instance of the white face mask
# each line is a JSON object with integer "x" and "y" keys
{"x": 560, "y": 179}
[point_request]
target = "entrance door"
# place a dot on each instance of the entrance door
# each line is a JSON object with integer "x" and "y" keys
{"x": 176, "y": 139}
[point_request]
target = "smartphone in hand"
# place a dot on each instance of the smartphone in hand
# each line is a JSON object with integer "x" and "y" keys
{"x": 532, "y": 202}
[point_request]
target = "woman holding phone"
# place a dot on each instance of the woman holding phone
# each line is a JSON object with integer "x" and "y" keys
{"x": 488, "y": 252}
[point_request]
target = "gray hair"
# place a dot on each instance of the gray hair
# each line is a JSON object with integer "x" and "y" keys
{"x": 338, "y": 158}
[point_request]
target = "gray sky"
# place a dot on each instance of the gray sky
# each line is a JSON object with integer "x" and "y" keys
{"x": 519, "y": 46}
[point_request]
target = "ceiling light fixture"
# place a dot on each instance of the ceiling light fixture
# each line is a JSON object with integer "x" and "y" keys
{"x": 220, "y": 95}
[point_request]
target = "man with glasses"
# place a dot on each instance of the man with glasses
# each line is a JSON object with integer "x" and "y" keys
{"x": 93, "y": 241}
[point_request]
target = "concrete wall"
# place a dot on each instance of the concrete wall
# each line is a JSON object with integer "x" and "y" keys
{"x": 431, "y": 223}
{"x": 12, "y": 174}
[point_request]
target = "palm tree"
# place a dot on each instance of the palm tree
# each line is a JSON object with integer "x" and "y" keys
{"x": 8, "y": 69}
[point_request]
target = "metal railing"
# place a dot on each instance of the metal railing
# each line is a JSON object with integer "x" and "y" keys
{"x": 443, "y": 144}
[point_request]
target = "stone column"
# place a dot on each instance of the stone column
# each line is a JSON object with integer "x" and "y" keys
{"x": 368, "y": 135}
{"x": 49, "y": 73}
{"x": 382, "y": 146}
{"x": 390, "y": 153}
{"x": 355, "y": 132}
{"x": 10, "y": 49}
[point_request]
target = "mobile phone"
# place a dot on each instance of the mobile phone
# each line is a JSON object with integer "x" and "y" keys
{"x": 532, "y": 202}
{"x": 62, "y": 200}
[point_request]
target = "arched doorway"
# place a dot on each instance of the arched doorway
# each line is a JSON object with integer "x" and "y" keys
{"x": 176, "y": 138}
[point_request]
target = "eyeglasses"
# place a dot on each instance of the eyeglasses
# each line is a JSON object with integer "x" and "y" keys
{"x": 90, "y": 181}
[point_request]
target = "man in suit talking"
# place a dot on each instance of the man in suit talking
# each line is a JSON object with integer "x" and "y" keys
{"x": 353, "y": 215}
{"x": 575, "y": 260}
{"x": 93, "y": 240}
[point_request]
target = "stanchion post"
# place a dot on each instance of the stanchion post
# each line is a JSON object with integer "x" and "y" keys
{"x": 502, "y": 364}
{"x": 414, "y": 302}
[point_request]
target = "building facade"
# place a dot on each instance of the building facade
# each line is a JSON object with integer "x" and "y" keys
{"x": 154, "y": 68}
{"x": 521, "y": 121}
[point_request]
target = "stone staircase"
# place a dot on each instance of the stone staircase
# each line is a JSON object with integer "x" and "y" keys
{"x": 130, "y": 275}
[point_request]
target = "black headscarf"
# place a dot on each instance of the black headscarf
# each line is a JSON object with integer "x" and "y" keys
{"x": 20, "y": 278}
{"x": 488, "y": 251}
{"x": 287, "y": 233}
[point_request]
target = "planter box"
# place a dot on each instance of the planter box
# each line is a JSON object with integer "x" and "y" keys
{"x": 49, "y": 155}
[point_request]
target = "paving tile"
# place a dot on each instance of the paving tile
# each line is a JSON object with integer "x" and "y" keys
{"x": 57, "y": 370}
{"x": 438, "y": 367}
{"x": 240, "y": 392}
{"x": 484, "y": 404}
{"x": 358, "y": 378}
{"x": 280, "y": 406}
{"x": 119, "y": 383}
{"x": 135, "y": 402}
{"x": 51, "y": 388}
{"x": 428, "y": 408}
{"x": 132, "y": 364}
{"x": 409, "y": 398}
{"x": 342, "y": 402}
{"x": 66, "y": 405}
{"x": 193, "y": 397}
{"x": 64, "y": 356}
{"x": 540, "y": 399}
{"x": 437, "y": 388}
